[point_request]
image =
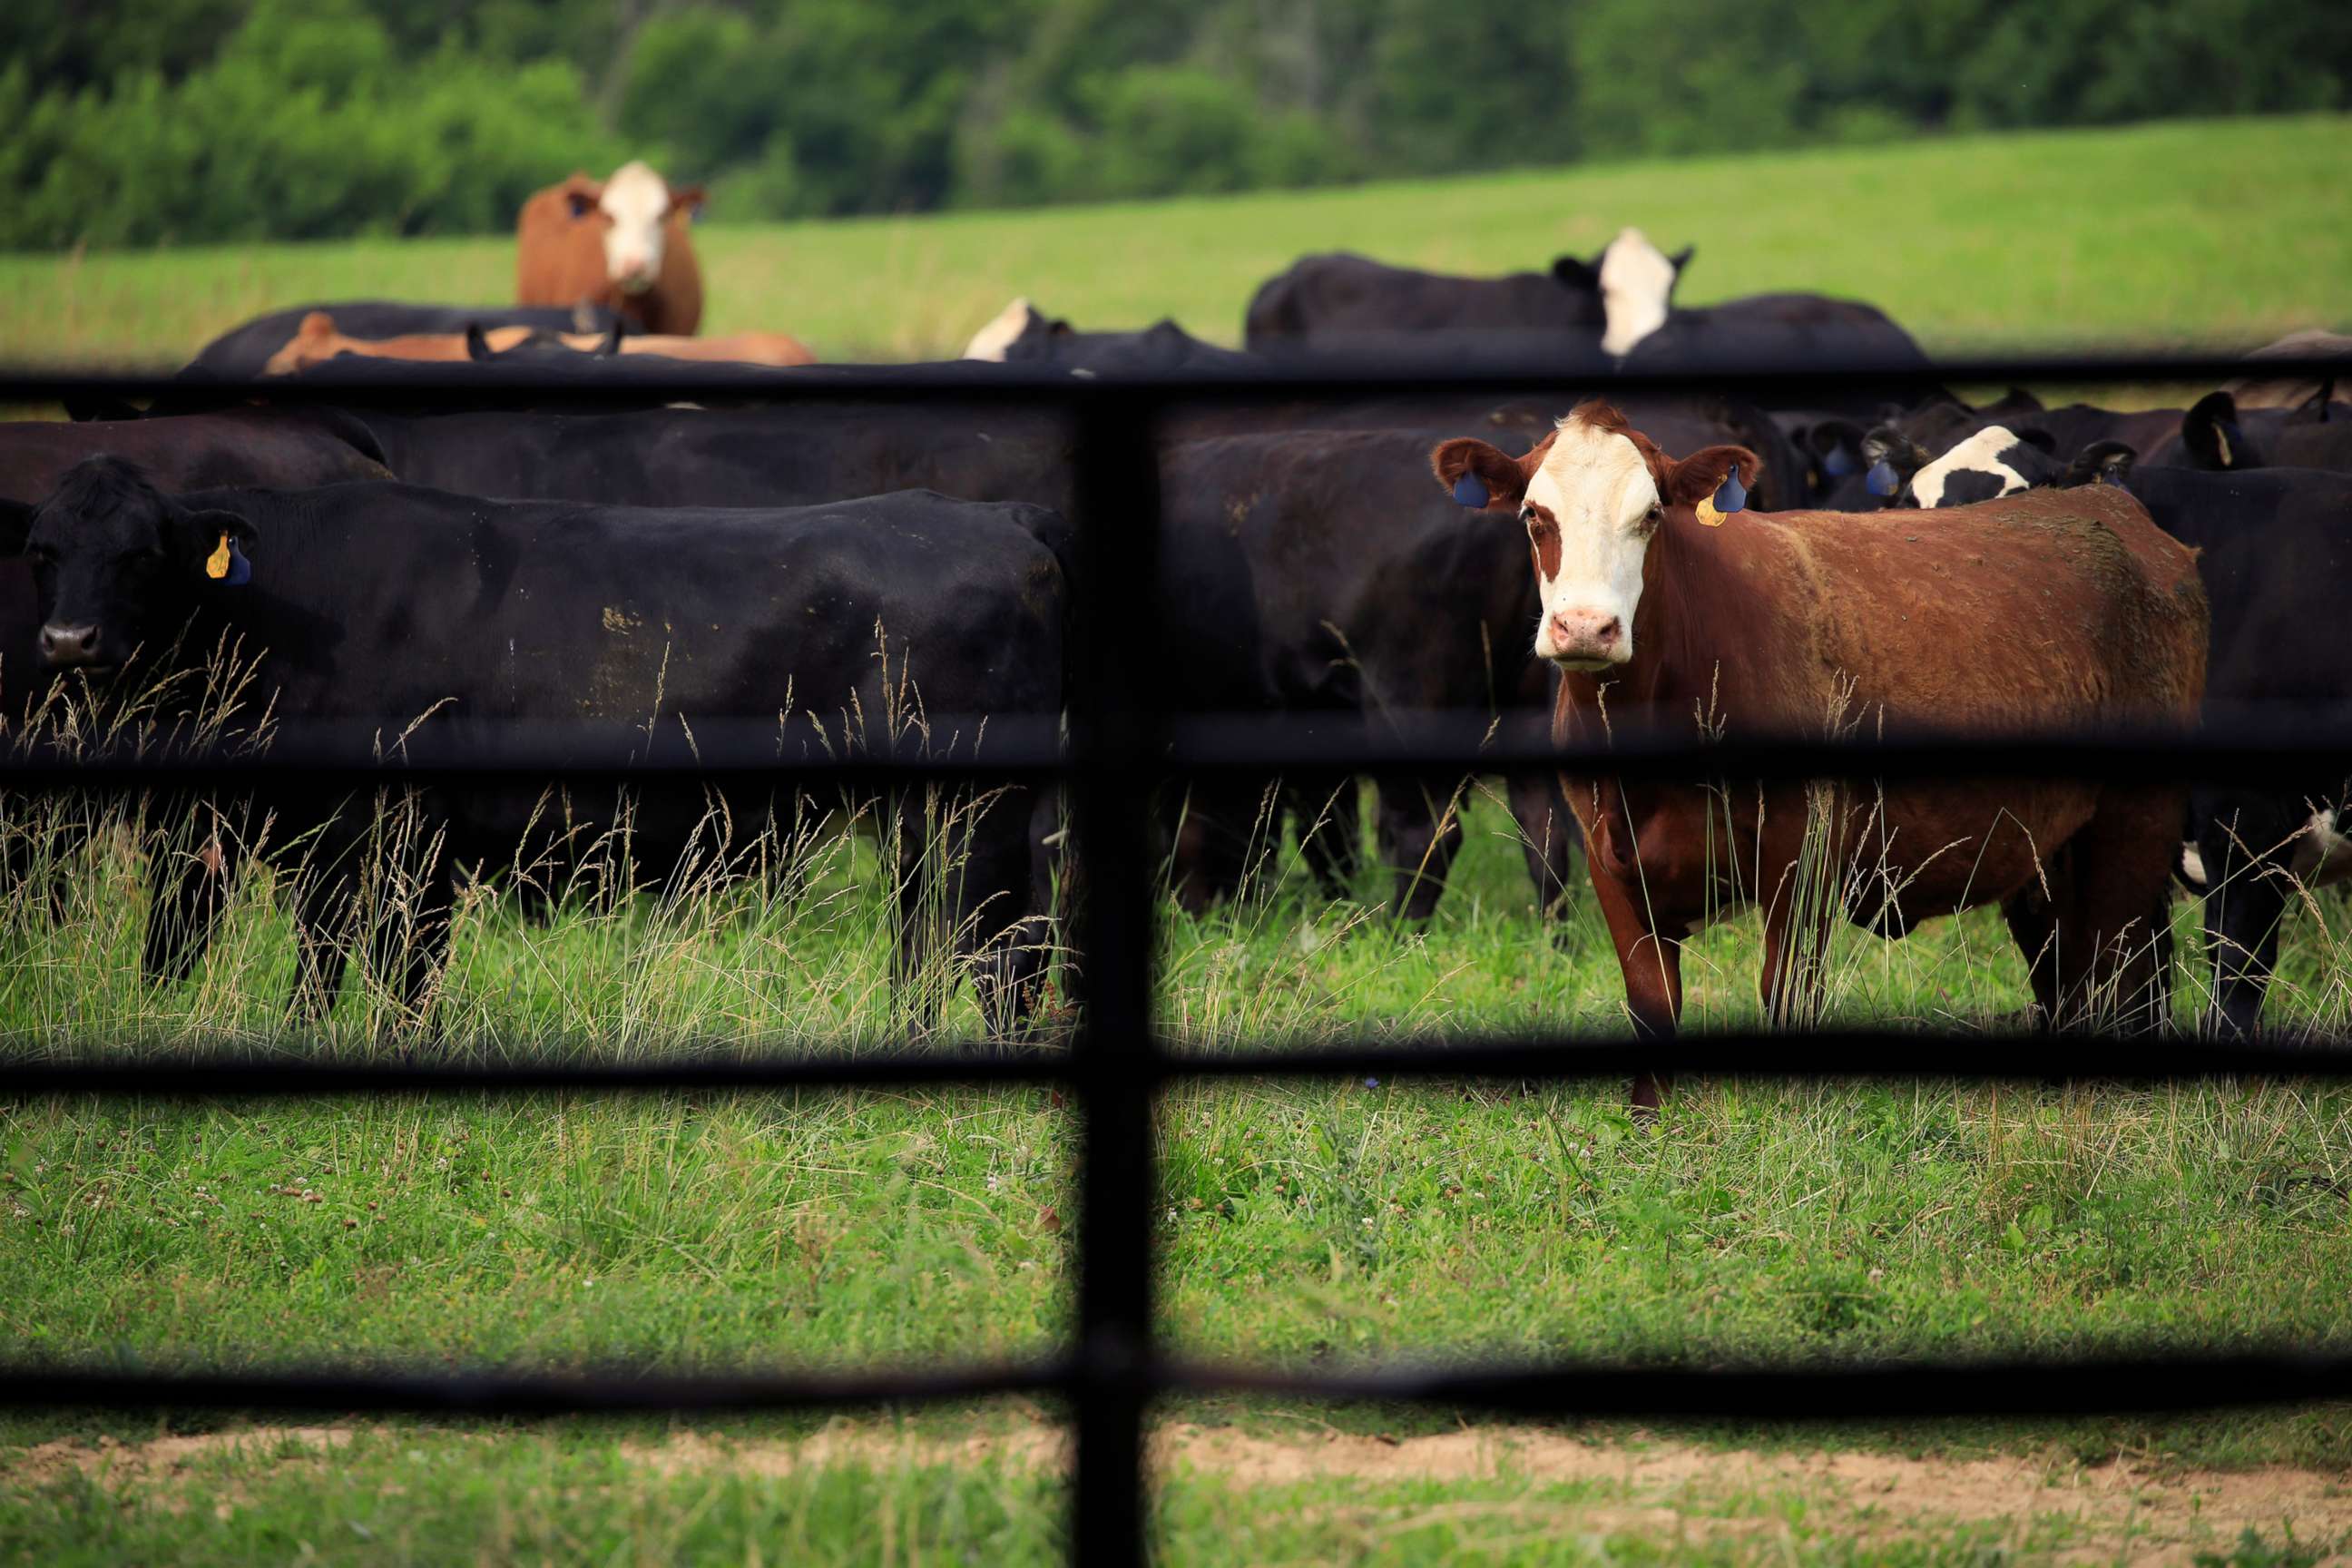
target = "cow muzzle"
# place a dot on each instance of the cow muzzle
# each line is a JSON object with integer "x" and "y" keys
{"x": 636, "y": 278}
{"x": 70, "y": 647}
{"x": 1586, "y": 639}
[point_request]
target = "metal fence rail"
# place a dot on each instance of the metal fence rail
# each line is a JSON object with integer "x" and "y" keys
{"x": 1117, "y": 1063}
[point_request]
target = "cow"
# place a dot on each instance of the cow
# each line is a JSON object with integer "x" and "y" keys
{"x": 2268, "y": 543}
{"x": 775, "y": 350}
{"x": 2057, "y": 611}
{"x": 1645, "y": 330}
{"x": 292, "y": 448}
{"x": 1371, "y": 607}
{"x": 2218, "y": 437}
{"x": 241, "y": 353}
{"x": 380, "y": 604}
{"x": 1342, "y": 302}
{"x": 618, "y": 244}
{"x": 2255, "y": 390}
{"x": 1023, "y": 335}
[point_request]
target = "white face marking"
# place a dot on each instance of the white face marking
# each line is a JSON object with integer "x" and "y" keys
{"x": 1599, "y": 492}
{"x": 1637, "y": 280}
{"x": 636, "y": 200}
{"x": 1980, "y": 454}
{"x": 991, "y": 341}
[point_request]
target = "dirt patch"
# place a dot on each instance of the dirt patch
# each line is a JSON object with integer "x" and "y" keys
{"x": 1651, "y": 1487}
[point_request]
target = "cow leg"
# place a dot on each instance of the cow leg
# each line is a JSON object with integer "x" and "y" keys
{"x": 2245, "y": 901}
{"x": 1001, "y": 929}
{"x": 1330, "y": 828}
{"x": 1652, "y": 963}
{"x": 2033, "y": 926}
{"x": 408, "y": 944}
{"x": 2111, "y": 926}
{"x": 1548, "y": 838}
{"x": 1421, "y": 833}
{"x": 323, "y": 902}
{"x": 186, "y": 893}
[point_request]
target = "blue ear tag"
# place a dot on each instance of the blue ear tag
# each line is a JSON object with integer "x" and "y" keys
{"x": 1731, "y": 495}
{"x": 1882, "y": 480}
{"x": 1837, "y": 465}
{"x": 1470, "y": 491}
{"x": 240, "y": 570}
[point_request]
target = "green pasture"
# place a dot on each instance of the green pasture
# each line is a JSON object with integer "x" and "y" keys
{"x": 1305, "y": 1223}
{"x": 2226, "y": 233}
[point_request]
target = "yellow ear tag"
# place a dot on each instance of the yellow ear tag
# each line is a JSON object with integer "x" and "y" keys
{"x": 1707, "y": 515}
{"x": 216, "y": 563}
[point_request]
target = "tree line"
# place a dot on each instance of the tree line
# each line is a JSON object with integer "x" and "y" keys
{"x": 147, "y": 122}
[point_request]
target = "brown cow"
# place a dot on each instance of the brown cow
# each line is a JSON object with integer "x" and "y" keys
{"x": 2048, "y": 611}
{"x": 619, "y": 243}
{"x": 317, "y": 341}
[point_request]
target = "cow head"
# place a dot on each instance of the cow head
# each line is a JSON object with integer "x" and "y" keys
{"x": 1591, "y": 495}
{"x": 1637, "y": 289}
{"x": 1993, "y": 462}
{"x": 1018, "y": 331}
{"x": 116, "y": 564}
{"x": 634, "y": 208}
{"x": 2215, "y": 440}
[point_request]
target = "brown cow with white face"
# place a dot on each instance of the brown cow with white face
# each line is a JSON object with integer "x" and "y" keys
{"x": 619, "y": 243}
{"x": 2052, "y": 610}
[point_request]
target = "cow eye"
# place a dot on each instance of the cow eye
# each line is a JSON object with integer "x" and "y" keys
{"x": 1527, "y": 512}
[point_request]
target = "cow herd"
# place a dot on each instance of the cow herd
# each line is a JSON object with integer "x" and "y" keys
{"x": 838, "y": 573}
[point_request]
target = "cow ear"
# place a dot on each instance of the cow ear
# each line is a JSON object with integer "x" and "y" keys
{"x": 1836, "y": 445}
{"x": 1573, "y": 272}
{"x": 16, "y": 523}
{"x": 689, "y": 200}
{"x": 1894, "y": 458}
{"x": 2016, "y": 400}
{"x": 1692, "y": 479}
{"x": 215, "y": 540}
{"x": 2209, "y": 430}
{"x": 582, "y": 194}
{"x": 2100, "y": 463}
{"x": 1682, "y": 259}
{"x": 1479, "y": 475}
{"x": 2312, "y": 410}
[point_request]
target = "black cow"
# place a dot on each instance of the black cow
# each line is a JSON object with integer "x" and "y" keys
{"x": 379, "y": 604}
{"x": 292, "y": 448}
{"x": 242, "y": 352}
{"x": 1372, "y": 605}
{"x": 1351, "y": 304}
{"x": 2272, "y": 544}
{"x": 1021, "y": 334}
{"x": 2218, "y": 437}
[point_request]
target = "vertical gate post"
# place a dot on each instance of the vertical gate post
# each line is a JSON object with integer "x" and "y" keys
{"x": 1116, "y": 735}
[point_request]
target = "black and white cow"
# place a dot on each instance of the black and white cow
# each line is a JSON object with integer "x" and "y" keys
{"x": 1021, "y": 334}
{"x": 380, "y": 604}
{"x": 2272, "y": 547}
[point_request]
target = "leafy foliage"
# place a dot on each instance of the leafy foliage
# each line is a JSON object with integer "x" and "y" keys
{"x": 230, "y": 119}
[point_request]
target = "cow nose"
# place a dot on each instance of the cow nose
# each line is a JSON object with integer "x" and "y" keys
{"x": 1586, "y": 634}
{"x": 65, "y": 646}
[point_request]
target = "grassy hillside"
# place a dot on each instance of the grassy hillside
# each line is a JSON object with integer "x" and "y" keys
{"x": 2228, "y": 232}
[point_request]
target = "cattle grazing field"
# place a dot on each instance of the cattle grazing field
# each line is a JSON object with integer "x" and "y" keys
{"x": 1305, "y": 1223}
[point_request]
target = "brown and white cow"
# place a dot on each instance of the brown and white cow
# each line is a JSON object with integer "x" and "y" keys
{"x": 2042, "y": 612}
{"x": 619, "y": 243}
